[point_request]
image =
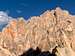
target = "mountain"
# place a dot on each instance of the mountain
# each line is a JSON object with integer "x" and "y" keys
{"x": 52, "y": 30}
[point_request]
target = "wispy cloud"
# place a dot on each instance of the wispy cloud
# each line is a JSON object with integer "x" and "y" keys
{"x": 18, "y": 11}
{"x": 7, "y": 11}
{"x": 24, "y": 5}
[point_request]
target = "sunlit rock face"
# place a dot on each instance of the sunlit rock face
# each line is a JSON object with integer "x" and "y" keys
{"x": 55, "y": 28}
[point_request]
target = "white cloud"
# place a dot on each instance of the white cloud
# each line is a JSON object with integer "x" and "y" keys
{"x": 4, "y": 18}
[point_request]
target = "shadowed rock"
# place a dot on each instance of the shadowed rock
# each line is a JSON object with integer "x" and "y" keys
{"x": 37, "y": 52}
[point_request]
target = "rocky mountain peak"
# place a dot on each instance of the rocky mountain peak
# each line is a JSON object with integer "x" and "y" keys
{"x": 53, "y": 28}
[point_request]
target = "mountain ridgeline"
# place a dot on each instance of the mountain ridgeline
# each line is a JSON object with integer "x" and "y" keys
{"x": 52, "y": 32}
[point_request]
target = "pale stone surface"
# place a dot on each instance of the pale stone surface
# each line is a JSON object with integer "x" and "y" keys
{"x": 52, "y": 28}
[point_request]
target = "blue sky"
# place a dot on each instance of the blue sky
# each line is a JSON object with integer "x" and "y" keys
{"x": 28, "y": 8}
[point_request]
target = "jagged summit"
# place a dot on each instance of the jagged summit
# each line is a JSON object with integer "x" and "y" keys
{"x": 50, "y": 29}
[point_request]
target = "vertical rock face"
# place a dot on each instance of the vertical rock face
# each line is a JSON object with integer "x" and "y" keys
{"x": 52, "y": 28}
